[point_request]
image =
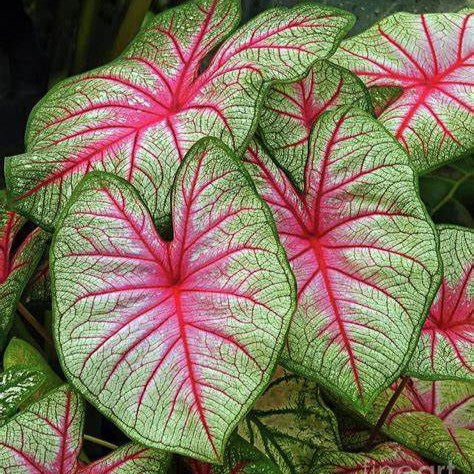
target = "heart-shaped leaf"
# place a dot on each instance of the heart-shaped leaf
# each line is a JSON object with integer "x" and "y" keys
{"x": 291, "y": 110}
{"x": 18, "y": 261}
{"x": 431, "y": 58}
{"x": 173, "y": 340}
{"x": 16, "y": 386}
{"x": 362, "y": 249}
{"x": 38, "y": 289}
{"x": 137, "y": 116}
{"x": 445, "y": 350}
{"x": 384, "y": 459}
{"x": 290, "y": 423}
{"x": 47, "y": 438}
{"x": 434, "y": 419}
{"x": 240, "y": 458}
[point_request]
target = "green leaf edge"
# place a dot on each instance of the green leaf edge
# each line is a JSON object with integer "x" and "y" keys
{"x": 358, "y": 404}
{"x": 281, "y": 254}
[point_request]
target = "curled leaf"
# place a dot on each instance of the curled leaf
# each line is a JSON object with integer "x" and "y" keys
{"x": 363, "y": 251}
{"x": 137, "y": 116}
{"x": 18, "y": 261}
{"x": 445, "y": 350}
{"x": 430, "y": 57}
{"x": 173, "y": 340}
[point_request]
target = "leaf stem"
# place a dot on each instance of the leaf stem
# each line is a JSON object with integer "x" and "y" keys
{"x": 100, "y": 442}
{"x": 387, "y": 410}
{"x": 34, "y": 323}
{"x": 450, "y": 194}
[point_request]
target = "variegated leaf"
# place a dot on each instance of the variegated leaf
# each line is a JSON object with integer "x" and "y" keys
{"x": 291, "y": 110}
{"x": 290, "y": 423}
{"x": 137, "y": 116}
{"x": 385, "y": 458}
{"x": 446, "y": 350}
{"x": 431, "y": 57}
{"x": 363, "y": 251}
{"x": 18, "y": 261}
{"x": 173, "y": 340}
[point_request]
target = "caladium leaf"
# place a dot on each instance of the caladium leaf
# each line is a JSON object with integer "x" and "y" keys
{"x": 431, "y": 58}
{"x": 47, "y": 438}
{"x": 17, "y": 262}
{"x": 290, "y": 422}
{"x": 433, "y": 418}
{"x": 445, "y": 350}
{"x": 173, "y": 340}
{"x": 362, "y": 249}
{"x": 385, "y": 458}
{"x": 291, "y": 110}
{"x": 137, "y": 116}
{"x": 130, "y": 459}
{"x": 20, "y": 354}
{"x": 16, "y": 386}
{"x": 38, "y": 288}
{"x": 240, "y": 458}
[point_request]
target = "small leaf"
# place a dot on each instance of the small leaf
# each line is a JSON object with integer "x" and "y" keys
{"x": 445, "y": 349}
{"x": 17, "y": 263}
{"x": 240, "y": 458}
{"x": 16, "y": 386}
{"x": 46, "y": 437}
{"x": 385, "y": 458}
{"x": 21, "y": 354}
{"x": 363, "y": 251}
{"x": 130, "y": 459}
{"x": 137, "y": 116}
{"x": 430, "y": 58}
{"x": 291, "y": 110}
{"x": 434, "y": 419}
{"x": 173, "y": 340}
{"x": 290, "y": 423}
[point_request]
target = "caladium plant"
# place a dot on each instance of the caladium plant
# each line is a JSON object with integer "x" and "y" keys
{"x": 446, "y": 345}
{"x": 18, "y": 260}
{"x": 47, "y": 438}
{"x": 242, "y": 271}
{"x": 430, "y": 57}
{"x": 362, "y": 249}
{"x": 137, "y": 116}
{"x": 173, "y": 340}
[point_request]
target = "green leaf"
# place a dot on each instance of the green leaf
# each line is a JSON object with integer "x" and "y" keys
{"x": 21, "y": 354}
{"x": 445, "y": 349}
{"x": 291, "y": 110}
{"x": 385, "y": 458}
{"x": 290, "y": 423}
{"x": 430, "y": 58}
{"x": 240, "y": 458}
{"x": 16, "y": 386}
{"x": 363, "y": 251}
{"x": 434, "y": 419}
{"x": 18, "y": 261}
{"x": 173, "y": 340}
{"x": 137, "y": 116}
